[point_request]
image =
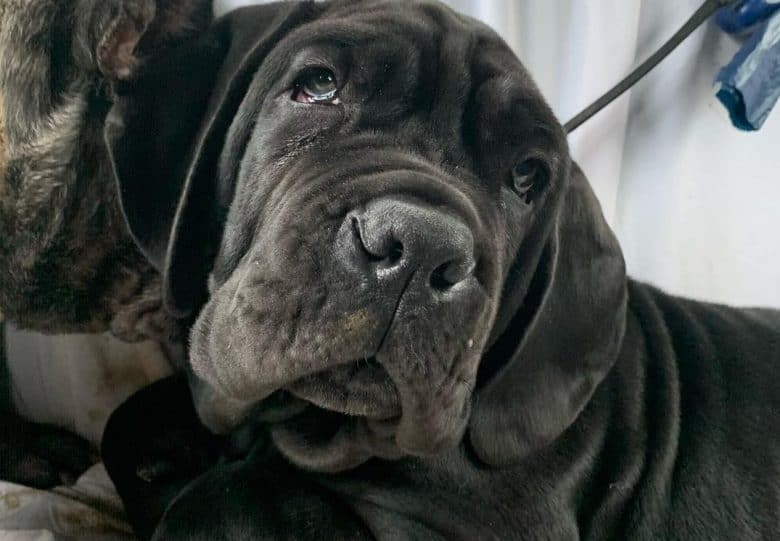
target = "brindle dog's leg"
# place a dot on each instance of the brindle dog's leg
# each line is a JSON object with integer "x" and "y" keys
{"x": 67, "y": 262}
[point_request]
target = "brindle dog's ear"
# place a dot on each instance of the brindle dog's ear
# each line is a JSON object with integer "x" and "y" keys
{"x": 114, "y": 36}
{"x": 165, "y": 134}
{"x": 574, "y": 318}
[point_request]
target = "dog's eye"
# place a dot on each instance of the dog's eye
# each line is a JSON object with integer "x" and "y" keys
{"x": 527, "y": 178}
{"x": 316, "y": 85}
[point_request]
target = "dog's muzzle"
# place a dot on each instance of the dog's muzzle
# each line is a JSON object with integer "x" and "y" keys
{"x": 413, "y": 267}
{"x": 392, "y": 240}
{"x": 413, "y": 254}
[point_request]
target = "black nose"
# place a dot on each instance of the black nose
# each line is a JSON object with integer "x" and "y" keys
{"x": 394, "y": 239}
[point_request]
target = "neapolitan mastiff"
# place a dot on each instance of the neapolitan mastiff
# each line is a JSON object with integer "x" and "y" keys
{"x": 406, "y": 298}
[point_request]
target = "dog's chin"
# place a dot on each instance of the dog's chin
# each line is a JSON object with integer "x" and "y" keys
{"x": 328, "y": 421}
{"x": 354, "y": 414}
{"x": 359, "y": 389}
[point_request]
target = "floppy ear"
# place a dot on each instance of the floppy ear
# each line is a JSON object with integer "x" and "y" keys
{"x": 165, "y": 134}
{"x": 150, "y": 132}
{"x": 569, "y": 341}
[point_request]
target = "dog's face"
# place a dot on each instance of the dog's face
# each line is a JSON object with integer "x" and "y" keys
{"x": 393, "y": 163}
{"x": 379, "y": 175}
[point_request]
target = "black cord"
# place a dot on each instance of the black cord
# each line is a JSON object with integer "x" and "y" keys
{"x": 697, "y": 19}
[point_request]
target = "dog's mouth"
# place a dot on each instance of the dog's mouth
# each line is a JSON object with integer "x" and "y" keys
{"x": 339, "y": 418}
{"x": 335, "y": 419}
{"x": 376, "y": 387}
{"x": 359, "y": 389}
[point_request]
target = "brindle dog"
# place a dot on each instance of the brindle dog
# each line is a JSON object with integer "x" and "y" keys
{"x": 67, "y": 261}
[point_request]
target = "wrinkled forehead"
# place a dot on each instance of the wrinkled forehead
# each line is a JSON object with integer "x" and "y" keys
{"x": 434, "y": 46}
{"x": 422, "y": 72}
{"x": 417, "y": 31}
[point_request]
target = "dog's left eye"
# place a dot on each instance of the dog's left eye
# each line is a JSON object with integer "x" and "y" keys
{"x": 527, "y": 177}
{"x": 316, "y": 85}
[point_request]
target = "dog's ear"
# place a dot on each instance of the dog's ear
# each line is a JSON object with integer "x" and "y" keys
{"x": 115, "y": 36}
{"x": 562, "y": 340}
{"x": 150, "y": 132}
{"x": 165, "y": 134}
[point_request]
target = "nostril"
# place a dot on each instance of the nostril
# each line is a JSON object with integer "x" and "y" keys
{"x": 451, "y": 273}
{"x": 439, "y": 280}
{"x": 390, "y": 254}
{"x": 356, "y": 228}
{"x": 395, "y": 252}
{"x": 358, "y": 234}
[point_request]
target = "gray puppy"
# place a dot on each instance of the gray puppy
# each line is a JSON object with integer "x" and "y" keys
{"x": 67, "y": 261}
{"x": 414, "y": 288}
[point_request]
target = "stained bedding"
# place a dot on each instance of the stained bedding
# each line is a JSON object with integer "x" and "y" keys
{"x": 88, "y": 511}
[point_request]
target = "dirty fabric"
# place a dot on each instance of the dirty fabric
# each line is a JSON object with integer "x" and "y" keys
{"x": 76, "y": 381}
{"x": 88, "y": 511}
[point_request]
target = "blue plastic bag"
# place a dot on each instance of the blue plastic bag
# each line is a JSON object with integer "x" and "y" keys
{"x": 749, "y": 86}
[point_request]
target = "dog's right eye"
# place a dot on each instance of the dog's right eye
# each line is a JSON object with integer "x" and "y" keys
{"x": 316, "y": 86}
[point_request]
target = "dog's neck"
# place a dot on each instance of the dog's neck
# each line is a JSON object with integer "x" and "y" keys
{"x": 624, "y": 445}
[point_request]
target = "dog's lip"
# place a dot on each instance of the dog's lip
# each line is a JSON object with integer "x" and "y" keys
{"x": 358, "y": 389}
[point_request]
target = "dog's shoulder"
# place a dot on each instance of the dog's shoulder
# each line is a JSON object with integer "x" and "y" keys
{"x": 713, "y": 369}
{"x": 718, "y": 365}
{"x": 719, "y": 333}
{"x": 703, "y": 379}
